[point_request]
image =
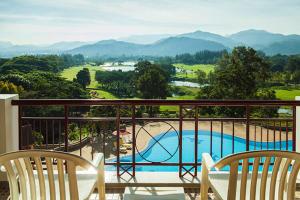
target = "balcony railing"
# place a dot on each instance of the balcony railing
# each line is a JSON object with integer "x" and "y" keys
{"x": 98, "y": 125}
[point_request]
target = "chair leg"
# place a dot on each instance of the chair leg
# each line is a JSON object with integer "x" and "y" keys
{"x": 204, "y": 183}
{"x": 204, "y": 191}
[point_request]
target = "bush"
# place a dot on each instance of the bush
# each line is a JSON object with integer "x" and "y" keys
{"x": 10, "y": 88}
{"x": 38, "y": 138}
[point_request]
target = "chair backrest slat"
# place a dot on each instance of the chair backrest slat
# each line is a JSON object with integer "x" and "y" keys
{"x": 254, "y": 178}
{"x": 22, "y": 179}
{"x": 282, "y": 183}
{"x": 72, "y": 180}
{"x": 233, "y": 180}
{"x": 274, "y": 177}
{"x": 245, "y": 170}
{"x": 42, "y": 186}
{"x": 32, "y": 174}
{"x": 32, "y": 184}
{"x": 12, "y": 179}
{"x": 51, "y": 178}
{"x": 264, "y": 177}
{"x": 61, "y": 179}
{"x": 275, "y": 170}
{"x": 292, "y": 180}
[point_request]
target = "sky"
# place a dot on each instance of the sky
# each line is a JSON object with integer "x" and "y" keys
{"x": 49, "y": 21}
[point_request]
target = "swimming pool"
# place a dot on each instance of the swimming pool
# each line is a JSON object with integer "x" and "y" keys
{"x": 168, "y": 150}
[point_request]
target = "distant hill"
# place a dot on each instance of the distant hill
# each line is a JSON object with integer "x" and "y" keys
{"x": 287, "y": 47}
{"x": 210, "y": 37}
{"x": 8, "y": 49}
{"x": 178, "y": 45}
{"x": 5, "y": 44}
{"x": 164, "y": 44}
{"x": 167, "y": 47}
{"x": 144, "y": 39}
{"x": 260, "y": 38}
{"x": 64, "y": 46}
{"x": 107, "y": 48}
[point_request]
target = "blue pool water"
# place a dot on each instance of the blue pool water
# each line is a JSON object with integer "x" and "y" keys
{"x": 168, "y": 150}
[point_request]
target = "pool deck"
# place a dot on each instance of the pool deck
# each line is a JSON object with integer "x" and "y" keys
{"x": 158, "y": 179}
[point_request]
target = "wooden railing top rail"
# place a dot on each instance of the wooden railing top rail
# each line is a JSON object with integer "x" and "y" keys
{"x": 89, "y": 102}
{"x": 157, "y": 118}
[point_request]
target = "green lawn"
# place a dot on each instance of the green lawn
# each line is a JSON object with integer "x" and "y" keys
{"x": 204, "y": 67}
{"x": 287, "y": 94}
{"x": 71, "y": 72}
{"x": 104, "y": 94}
{"x": 176, "y": 108}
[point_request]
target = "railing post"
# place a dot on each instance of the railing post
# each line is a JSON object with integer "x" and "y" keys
{"x": 296, "y": 127}
{"x": 66, "y": 124}
{"x": 118, "y": 140}
{"x": 9, "y": 126}
{"x": 247, "y": 127}
{"x": 133, "y": 139}
{"x": 196, "y": 139}
{"x": 180, "y": 140}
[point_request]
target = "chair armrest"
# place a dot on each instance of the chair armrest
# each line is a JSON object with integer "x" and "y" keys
{"x": 207, "y": 161}
{"x": 98, "y": 160}
{"x": 207, "y": 165}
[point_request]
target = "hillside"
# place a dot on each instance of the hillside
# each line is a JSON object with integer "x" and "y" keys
{"x": 167, "y": 47}
{"x": 210, "y": 37}
{"x": 287, "y": 47}
{"x": 108, "y": 48}
{"x": 164, "y": 44}
{"x": 144, "y": 39}
{"x": 261, "y": 38}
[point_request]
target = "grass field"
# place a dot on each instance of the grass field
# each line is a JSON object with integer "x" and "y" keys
{"x": 71, "y": 72}
{"x": 191, "y": 70}
{"x": 287, "y": 94}
{"x": 176, "y": 108}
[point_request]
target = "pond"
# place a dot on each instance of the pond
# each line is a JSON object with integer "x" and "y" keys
{"x": 185, "y": 83}
{"x": 285, "y": 111}
{"x": 117, "y": 68}
{"x": 122, "y": 66}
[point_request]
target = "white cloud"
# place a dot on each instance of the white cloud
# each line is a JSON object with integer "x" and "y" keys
{"x": 50, "y": 21}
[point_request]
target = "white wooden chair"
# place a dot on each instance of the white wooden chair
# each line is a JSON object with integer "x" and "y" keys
{"x": 32, "y": 175}
{"x": 252, "y": 175}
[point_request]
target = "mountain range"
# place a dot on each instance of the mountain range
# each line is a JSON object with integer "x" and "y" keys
{"x": 164, "y": 45}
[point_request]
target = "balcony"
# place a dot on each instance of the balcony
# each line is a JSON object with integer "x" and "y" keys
{"x": 153, "y": 142}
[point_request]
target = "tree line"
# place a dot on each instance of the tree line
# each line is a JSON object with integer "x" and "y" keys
{"x": 148, "y": 80}
{"x": 36, "y": 77}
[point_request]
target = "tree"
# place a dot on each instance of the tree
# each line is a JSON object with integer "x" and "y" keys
{"x": 27, "y": 64}
{"x": 278, "y": 62}
{"x": 119, "y": 83}
{"x": 201, "y": 77}
{"x": 293, "y": 63}
{"x": 151, "y": 81}
{"x": 287, "y": 77}
{"x": 9, "y": 88}
{"x": 169, "y": 69}
{"x": 83, "y": 77}
{"x": 239, "y": 75}
{"x": 17, "y": 79}
{"x": 296, "y": 77}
